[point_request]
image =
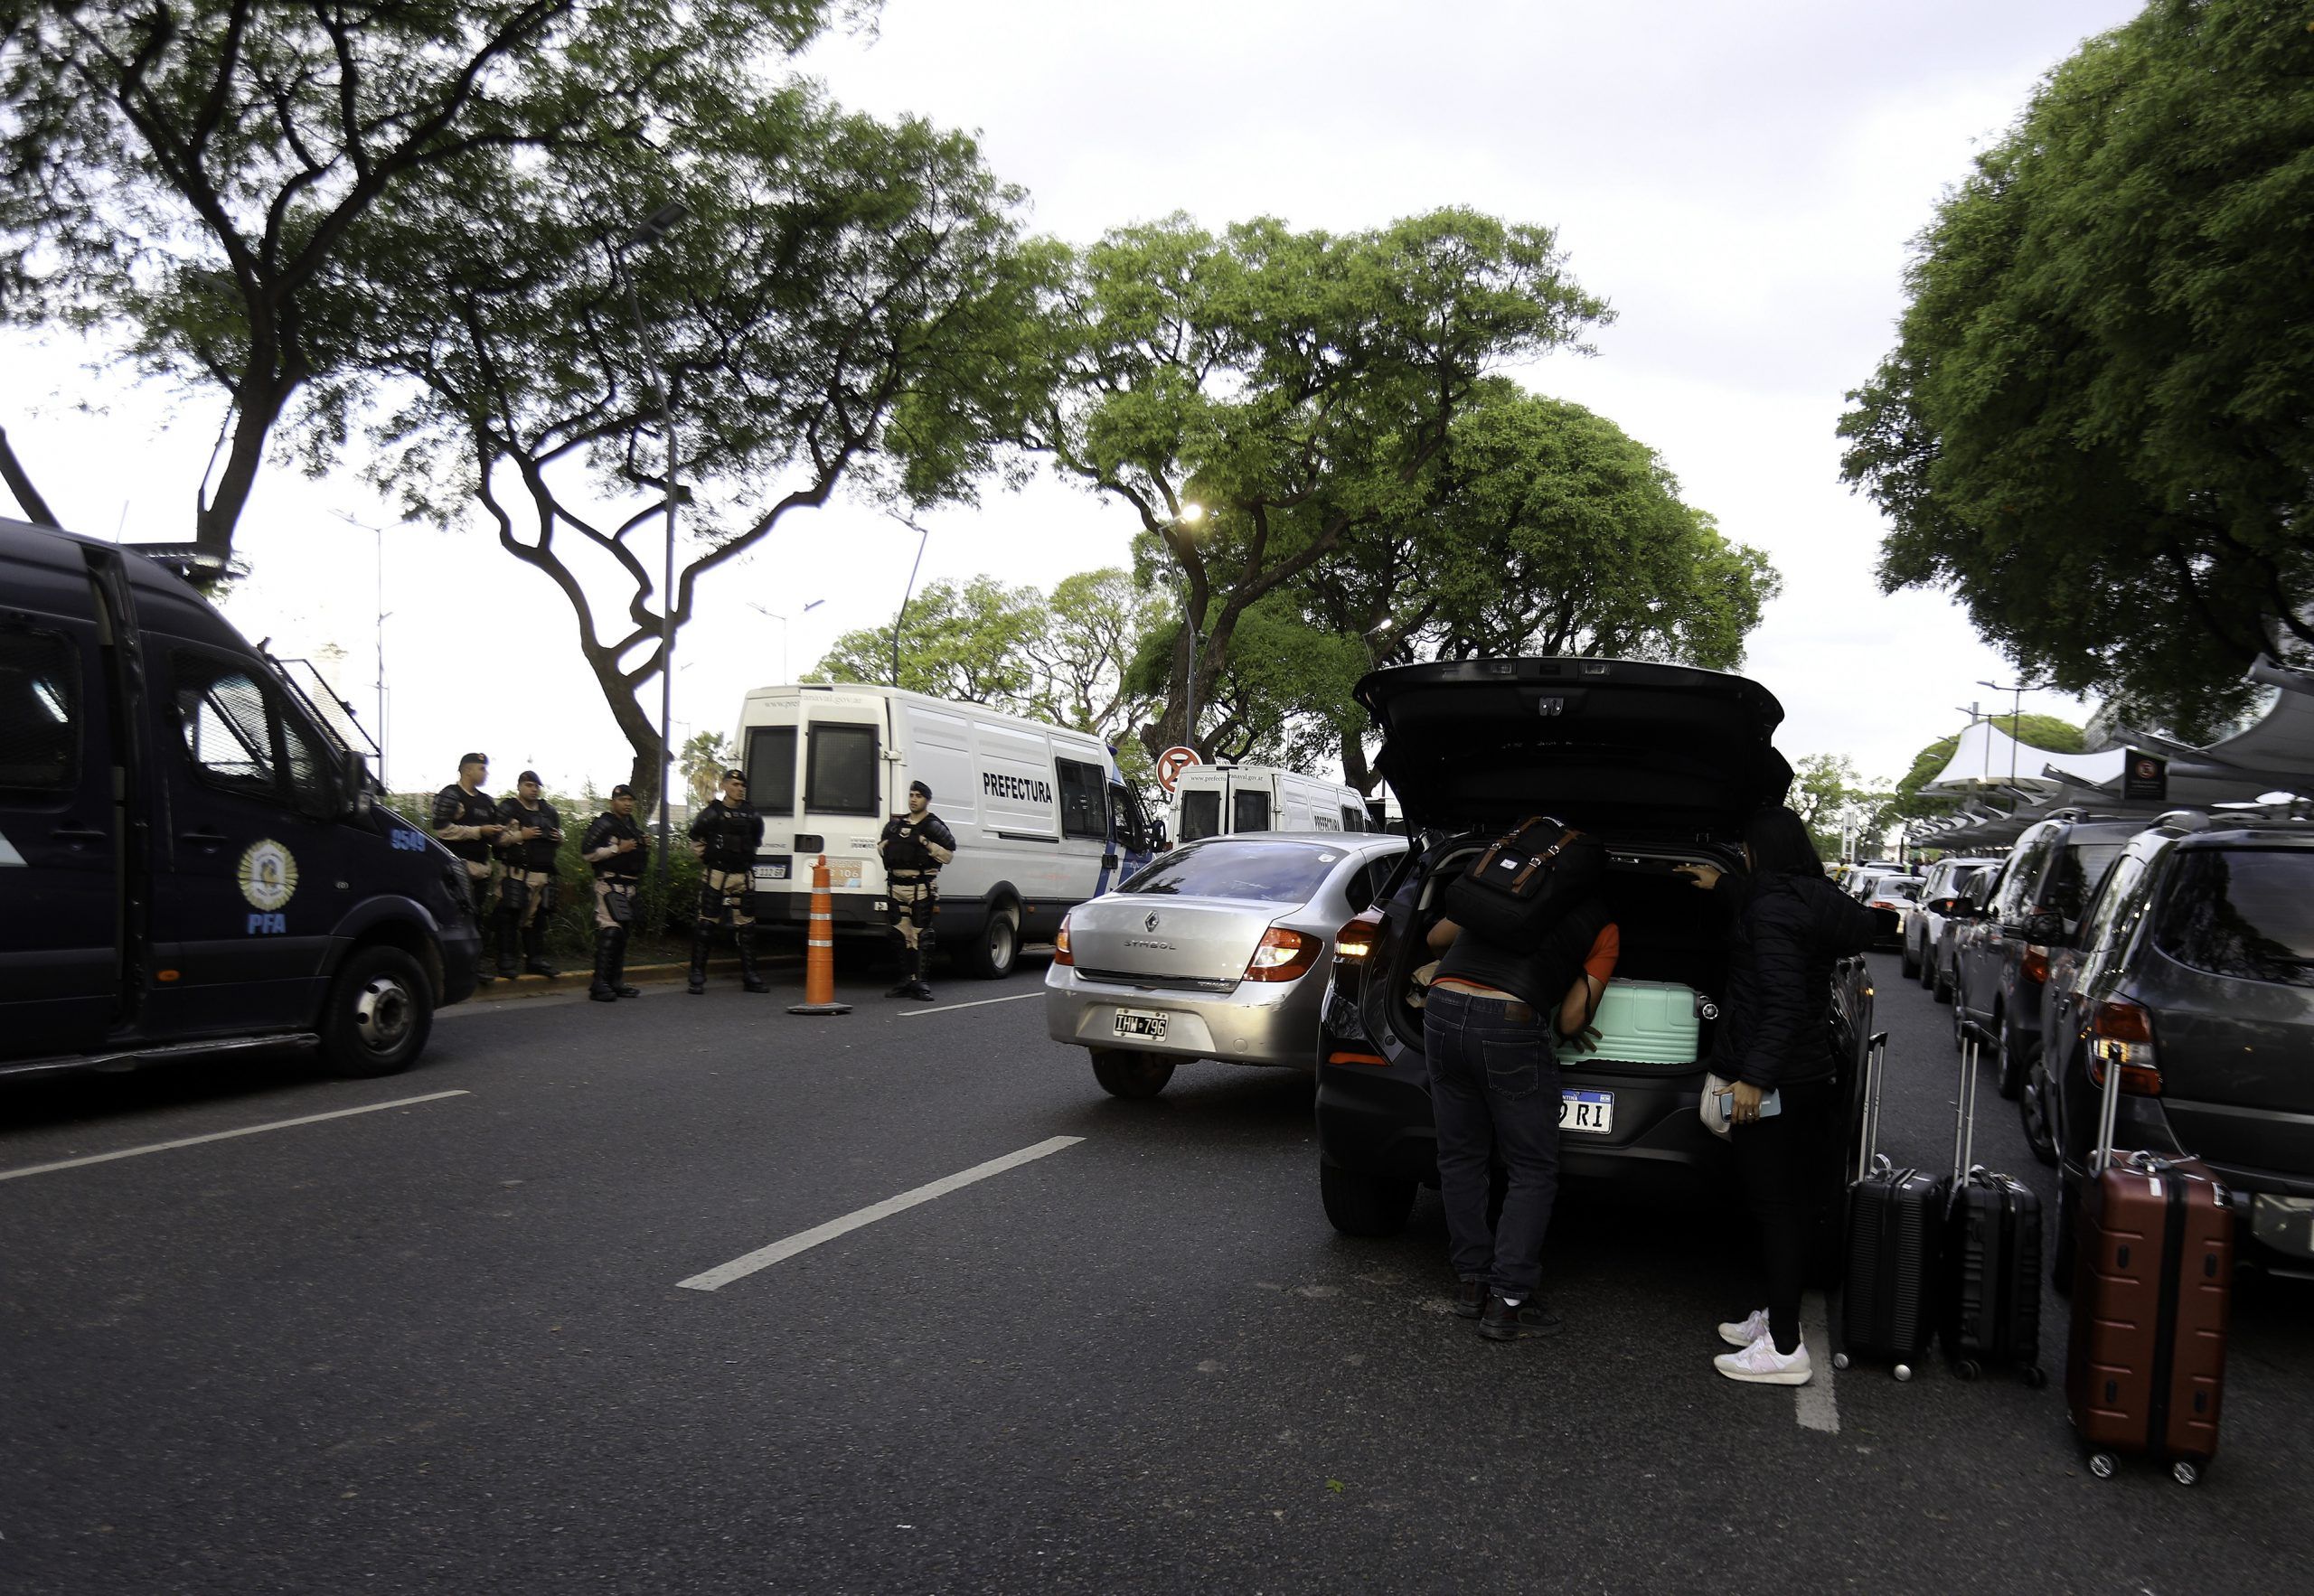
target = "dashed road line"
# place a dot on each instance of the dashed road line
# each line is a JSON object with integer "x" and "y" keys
{"x": 976, "y": 1003}
{"x": 739, "y": 1268}
{"x": 1814, "y": 1404}
{"x": 132, "y": 1153}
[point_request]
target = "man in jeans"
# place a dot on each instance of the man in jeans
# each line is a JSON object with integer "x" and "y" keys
{"x": 1488, "y": 1031}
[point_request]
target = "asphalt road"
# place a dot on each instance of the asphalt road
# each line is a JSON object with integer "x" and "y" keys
{"x": 444, "y": 1346}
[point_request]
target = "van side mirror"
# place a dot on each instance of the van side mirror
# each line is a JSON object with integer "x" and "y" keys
{"x": 353, "y": 794}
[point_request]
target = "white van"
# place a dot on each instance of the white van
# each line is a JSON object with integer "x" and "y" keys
{"x": 1042, "y": 822}
{"x": 1211, "y": 800}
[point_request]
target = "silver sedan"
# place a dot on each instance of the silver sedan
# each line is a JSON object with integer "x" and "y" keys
{"x": 1216, "y": 949}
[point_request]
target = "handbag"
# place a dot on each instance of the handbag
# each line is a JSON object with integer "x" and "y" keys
{"x": 1708, "y": 1106}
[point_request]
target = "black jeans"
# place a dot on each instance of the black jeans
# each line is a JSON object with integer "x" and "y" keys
{"x": 1780, "y": 1162}
{"x": 1494, "y": 1086}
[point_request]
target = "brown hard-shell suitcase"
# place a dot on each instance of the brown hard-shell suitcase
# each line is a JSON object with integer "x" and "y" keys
{"x": 2153, "y": 1282}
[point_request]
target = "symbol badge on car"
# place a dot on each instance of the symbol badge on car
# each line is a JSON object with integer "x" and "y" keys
{"x": 1150, "y": 923}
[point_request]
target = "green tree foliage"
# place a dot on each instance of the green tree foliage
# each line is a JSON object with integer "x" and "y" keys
{"x": 702, "y": 762}
{"x": 205, "y": 171}
{"x": 1300, "y": 387}
{"x": 969, "y": 644}
{"x": 1284, "y": 696}
{"x": 845, "y": 306}
{"x": 1831, "y": 800}
{"x": 2094, "y": 427}
{"x": 2036, "y": 731}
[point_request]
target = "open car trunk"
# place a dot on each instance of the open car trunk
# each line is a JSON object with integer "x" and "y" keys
{"x": 1670, "y": 974}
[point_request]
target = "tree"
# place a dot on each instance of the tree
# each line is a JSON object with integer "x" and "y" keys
{"x": 204, "y": 170}
{"x": 1094, "y": 622}
{"x": 844, "y": 307}
{"x": 1299, "y": 387}
{"x": 969, "y": 644}
{"x": 1827, "y": 796}
{"x": 2039, "y": 731}
{"x": 702, "y": 762}
{"x": 2092, "y": 427}
{"x": 1283, "y": 697}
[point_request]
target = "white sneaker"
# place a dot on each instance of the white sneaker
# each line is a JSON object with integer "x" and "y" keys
{"x": 1743, "y": 1332}
{"x": 1762, "y": 1364}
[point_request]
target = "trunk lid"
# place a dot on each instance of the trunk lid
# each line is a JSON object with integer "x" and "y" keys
{"x": 1614, "y": 745}
{"x": 1204, "y": 940}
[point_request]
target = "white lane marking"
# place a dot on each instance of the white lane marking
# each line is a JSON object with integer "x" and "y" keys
{"x": 131, "y": 1152}
{"x": 976, "y": 1003}
{"x": 723, "y": 1274}
{"x": 1813, "y": 1402}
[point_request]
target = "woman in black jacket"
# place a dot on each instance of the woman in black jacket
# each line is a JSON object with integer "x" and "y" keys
{"x": 1774, "y": 1046}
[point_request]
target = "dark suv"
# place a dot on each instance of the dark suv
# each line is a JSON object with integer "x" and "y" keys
{"x": 2193, "y": 973}
{"x": 2001, "y": 955}
{"x": 1663, "y": 763}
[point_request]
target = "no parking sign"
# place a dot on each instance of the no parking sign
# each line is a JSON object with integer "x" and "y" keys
{"x": 1172, "y": 762}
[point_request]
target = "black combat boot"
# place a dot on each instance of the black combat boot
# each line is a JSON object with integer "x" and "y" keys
{"x": 921, "y": 989}
{"x": 750, "y": 977}
{"x": 605, "y": 988}
{"x": 534, "y": 953}
{"x": 698, "y": 960}
{"x": 908, "y": 968}
{"x": 618, "y": 966}
{"x": 505, "y": 922}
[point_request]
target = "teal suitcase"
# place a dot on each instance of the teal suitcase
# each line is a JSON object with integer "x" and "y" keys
{"x": 1642, "y": 1022}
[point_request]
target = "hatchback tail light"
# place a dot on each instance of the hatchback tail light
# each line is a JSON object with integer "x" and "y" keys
{"x": 1284, "y": 955}
{"x": 2121, "y": 1035}
{"x": 1060, "y": 954}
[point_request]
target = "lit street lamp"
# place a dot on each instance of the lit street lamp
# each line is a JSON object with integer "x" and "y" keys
{"x": 653, "y": 229}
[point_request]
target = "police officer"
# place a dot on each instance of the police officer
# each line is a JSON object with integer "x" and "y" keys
{"x": 466, "y": 819}
{"x": 527, "y": 885}
{"x": 913, "y": 847}
{"x": 725, "y": 836}
{"x": 613, "y": 845}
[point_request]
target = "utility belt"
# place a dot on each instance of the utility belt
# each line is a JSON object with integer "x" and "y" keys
{"x": 904, "y": 876}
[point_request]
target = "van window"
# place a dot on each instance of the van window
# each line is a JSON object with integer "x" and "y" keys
{"x": 1201, "y": 816}
{"x": 1248, "y": 812}
{"x": 1083, "y": 800}
{"x": 40, "y": 711}
{"x": 771, "y": 769}
{"x": 841, "y": 777}
{"x": 1352, "y": 820}
{"x": 1132, "y": 835}
{"x": 307, "y": 766}
{"x": 2248, "y": 913}
{"x": 222, "y": 716}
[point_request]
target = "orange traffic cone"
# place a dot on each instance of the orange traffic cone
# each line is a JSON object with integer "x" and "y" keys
{"x": 819, "y": 949}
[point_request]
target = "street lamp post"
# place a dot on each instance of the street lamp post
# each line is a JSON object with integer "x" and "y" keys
{"x": 923, "y": 536}
{"x": 1192, "y": 513}
{"x": 776, "y": 615}
{"x": 2016, "y": 710}
{"x": 654, "y": 228}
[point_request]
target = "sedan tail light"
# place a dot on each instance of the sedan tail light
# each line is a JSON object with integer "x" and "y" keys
{"x": 1284, "y": 955}
{"x": 1060, "y": 954}
{"x": 2121, "y": 1035}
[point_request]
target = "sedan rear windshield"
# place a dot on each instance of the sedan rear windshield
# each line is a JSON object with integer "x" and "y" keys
{"x": 2245, "y": 914}
{"x": 1263, "y": 872}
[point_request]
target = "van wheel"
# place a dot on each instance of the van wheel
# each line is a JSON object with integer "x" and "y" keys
{"x": 379, "y": 1014}
{"x": 1130, "y": 1075}
{"x": 1364, "y": 1205}
{"x": 991, "y": 954}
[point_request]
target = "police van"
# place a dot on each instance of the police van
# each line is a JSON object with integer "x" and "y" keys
{"x": 1216, "y": 800}
{"x": 191, "y": 858}
{"x": 1041, "y": 821}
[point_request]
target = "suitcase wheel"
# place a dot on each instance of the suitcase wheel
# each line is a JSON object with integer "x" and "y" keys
{"x": 2036, "y": 1376}
{"x": 1840, "y": 1360}
{"x": 1903, "y": 1371}
{"x": 1968, "y": 1368}
{"x": 2101, "y": 1464}
{"x": 2183, "y": 1473}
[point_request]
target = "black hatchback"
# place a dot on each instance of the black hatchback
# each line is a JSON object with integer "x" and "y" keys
{"x": 2192, "y": 974}
{"x": 1663, "y": 763}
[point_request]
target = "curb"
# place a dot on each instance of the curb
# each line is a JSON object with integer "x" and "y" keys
{"x": 506, "y": 989}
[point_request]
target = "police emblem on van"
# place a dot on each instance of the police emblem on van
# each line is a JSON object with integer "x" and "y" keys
{"x": 268, "y": 875}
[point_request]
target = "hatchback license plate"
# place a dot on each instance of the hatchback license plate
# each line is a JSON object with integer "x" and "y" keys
{"x": 1141, "y": 1025}
{"x": 1591, "y": 1114}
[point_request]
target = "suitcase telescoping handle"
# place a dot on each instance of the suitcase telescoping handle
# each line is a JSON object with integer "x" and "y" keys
{"x": 1868, "y": 1127}
{"x": 2109, "y": 1108}
{"x": 1964, "y": 1121}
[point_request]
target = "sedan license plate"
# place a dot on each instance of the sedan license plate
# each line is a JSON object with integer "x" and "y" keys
{"x": 1141, "y": 1025}
{"x": 1590, "y": 1113}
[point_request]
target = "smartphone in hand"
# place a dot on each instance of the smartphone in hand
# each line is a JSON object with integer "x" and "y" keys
{"x": 1772, "y": 1103}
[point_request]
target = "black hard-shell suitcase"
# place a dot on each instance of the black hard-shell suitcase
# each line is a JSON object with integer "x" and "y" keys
{"x": 1896, "y": 1224}
{"x": 1991, "y": 1290}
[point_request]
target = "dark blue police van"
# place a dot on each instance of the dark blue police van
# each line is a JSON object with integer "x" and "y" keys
{"x": 191, "y": 860}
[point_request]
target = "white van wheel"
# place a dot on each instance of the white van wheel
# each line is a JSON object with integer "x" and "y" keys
{"x": 990, "y": 956}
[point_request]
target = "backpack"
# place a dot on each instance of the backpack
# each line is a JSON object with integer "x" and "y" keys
{"x": 1524, "y": 883}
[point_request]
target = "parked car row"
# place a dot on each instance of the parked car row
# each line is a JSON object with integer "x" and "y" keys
{"x": 2181, "y": 954}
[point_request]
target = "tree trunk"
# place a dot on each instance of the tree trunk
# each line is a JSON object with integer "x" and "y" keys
{"x": 257, "y": 406}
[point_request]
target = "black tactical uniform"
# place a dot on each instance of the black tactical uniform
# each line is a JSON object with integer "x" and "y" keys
{"x": 913, "y": 847}
{"x": 459, "y": 817}
{"x": 726, "y": 835}
{"x": 528, "y": 887}
{"x": 616, "y": 875}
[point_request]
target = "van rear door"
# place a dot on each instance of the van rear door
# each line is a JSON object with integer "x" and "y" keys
{"x": 60, "y": 838}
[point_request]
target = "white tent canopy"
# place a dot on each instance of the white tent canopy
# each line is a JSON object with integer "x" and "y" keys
{"x": 1988, "y": 760}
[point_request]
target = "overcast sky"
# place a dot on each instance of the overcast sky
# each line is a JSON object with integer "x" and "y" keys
{"x": 1740, "y": 183}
